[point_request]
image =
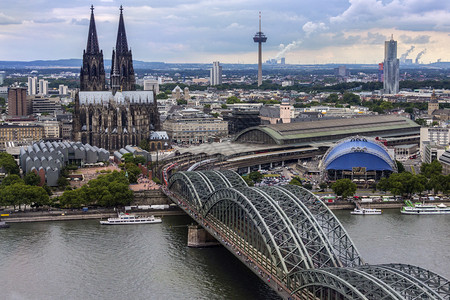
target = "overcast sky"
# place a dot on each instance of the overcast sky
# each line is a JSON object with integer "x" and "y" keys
{"x": 304, "y": 31}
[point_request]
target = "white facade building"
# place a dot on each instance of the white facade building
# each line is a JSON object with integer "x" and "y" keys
{"x": 43, "y": 87}
{"x": 32, "y": 85}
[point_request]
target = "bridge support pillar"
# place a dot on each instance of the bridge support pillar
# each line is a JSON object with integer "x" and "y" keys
{"x": 248, "y": 170}
{"x": 199, "y": 237}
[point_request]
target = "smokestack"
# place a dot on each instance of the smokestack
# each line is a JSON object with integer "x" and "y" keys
{"x": 420, "y": 55}
{"x": 405, "y": 55}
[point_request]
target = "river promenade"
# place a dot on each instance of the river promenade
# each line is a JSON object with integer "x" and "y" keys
{"x": 66, "y": 215}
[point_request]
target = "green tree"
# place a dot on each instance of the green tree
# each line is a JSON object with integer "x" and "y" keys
{"x": 433, "y": 168}
{"x": 156, "y": 180}
{"x": 32, "y": 179}
{"x": 233, "y": 100}
{"x": 11, "y": 179}
{"x": 333, "y": 98}
{"x": 8, "y": 162}
{"x": 344, "y": 187}
{"x": 308, "y": 186}
{"x": 162, "y": 96}
{"x": 248, "y": 180}
{"x": 323, "y": 185}
{"x": 296, "y": 181}
{"x": 256, "y": 176}
{"x": 421, "y": 122}
{"x": 383, "y": 184}
{"x": 224, "y": 106}
{"x": 144, "y": 144}
{"x": 62, "y": 182}
{"x": 400, "y": 167}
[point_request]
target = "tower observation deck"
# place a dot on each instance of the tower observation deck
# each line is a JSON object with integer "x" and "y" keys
{"x": 259, "y": 38}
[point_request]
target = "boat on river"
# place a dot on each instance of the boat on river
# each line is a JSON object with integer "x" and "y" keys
{"x": 130, "y": 219}
{"x": 425, "y": 209}
{"x": 3, "y": 224}
{"x": 366, "y": 211}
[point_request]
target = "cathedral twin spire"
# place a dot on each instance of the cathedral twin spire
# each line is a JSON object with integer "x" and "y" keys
{"x": 92, "y": 76}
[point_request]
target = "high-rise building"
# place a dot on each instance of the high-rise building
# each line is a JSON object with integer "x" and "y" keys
{"x": 259, "y": 38}
{"x": 43, "y": 87}
{"x": 122, "y": 71}
{"x": 283, "y": 61}
{"x": 63, "y": 89}
{"x": 18, "y": 104}
{"x": 2, "y": 77}
{"x": 92, "y": 75}
{"x": 391, "y": 67}
{"x": 216, "y": 74}
{"x": 32, "y": 85}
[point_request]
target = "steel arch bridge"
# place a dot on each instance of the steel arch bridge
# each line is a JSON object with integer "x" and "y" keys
{"x": 285, "y": 233}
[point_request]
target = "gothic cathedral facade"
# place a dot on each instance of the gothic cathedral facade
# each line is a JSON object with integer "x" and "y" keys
{"x": 117, "y": 117}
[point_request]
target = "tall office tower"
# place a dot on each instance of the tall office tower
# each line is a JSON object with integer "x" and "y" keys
{"x": 32, "y": 85}
{"x": 18, "y": 105}
{"x": 216, "y": 74}
{"x": 92, "y": 75}
{"x": 43, "y": 87}
{"x": 391, "y": 67}
{"x": 2, "y": 77}
{"x": 122, "y": 61}
{"x": 259, "y": 38}
{"x": 283, "y": 61}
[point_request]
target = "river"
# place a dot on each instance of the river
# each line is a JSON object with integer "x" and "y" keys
{"x": 83, "y": 260}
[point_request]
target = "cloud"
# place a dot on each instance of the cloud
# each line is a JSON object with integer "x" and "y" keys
{"x": 7, "y": 20}
{"x": 82, "y": 22}
{"x": 311, "y": 27}
{"x": 420, "y": 39}
{"x": 51, "y": 20}
{"x": 413, "y": 15}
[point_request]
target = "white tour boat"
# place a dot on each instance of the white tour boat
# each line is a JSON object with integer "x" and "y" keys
{"x": 366, "y": 211}
{"x": 425, "y": 209}
{"x": 127, "y": 219}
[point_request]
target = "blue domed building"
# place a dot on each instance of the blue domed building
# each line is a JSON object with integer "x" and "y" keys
{"x": 361, "y": 159}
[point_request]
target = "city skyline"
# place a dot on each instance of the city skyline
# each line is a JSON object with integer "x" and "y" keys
{"x": 189, "y": 31}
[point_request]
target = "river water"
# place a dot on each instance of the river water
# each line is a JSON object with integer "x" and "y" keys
{"x": 83, "y": 260}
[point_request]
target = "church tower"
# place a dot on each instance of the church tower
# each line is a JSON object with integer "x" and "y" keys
{"x": 122, "y": 62}
{"x": 92, "y": 75}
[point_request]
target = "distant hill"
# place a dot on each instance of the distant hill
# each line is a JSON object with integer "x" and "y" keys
{"x": 138, "y": 64}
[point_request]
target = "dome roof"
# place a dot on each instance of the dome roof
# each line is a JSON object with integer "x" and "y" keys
{"x": 358, "y": 152}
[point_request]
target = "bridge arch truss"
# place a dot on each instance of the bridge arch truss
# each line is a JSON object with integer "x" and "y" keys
{"x": 295, "y": 238}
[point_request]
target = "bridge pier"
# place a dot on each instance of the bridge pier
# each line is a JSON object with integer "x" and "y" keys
{"x": 199, "y": 237}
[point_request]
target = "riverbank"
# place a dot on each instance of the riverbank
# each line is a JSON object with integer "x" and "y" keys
{"x": 378, "y": 205}
{"x": 44, "y": 216}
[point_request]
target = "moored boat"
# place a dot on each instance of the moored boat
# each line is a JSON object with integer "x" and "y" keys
{"x": 3, "y": 224}
{"x": 129, "y": 219}
{"x": 425, "y": 209}
{"x": 366, "y": 211}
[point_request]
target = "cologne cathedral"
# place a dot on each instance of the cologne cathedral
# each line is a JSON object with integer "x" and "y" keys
{"x": 115, "y": 117}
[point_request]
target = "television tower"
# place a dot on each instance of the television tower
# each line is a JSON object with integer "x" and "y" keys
{"x": 259, "y": 38}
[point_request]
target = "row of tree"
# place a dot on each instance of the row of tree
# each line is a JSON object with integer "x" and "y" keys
{"x": 429, "y": 179}
{"x": 15, "y": 191}
{"x": 108, "y": 190}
